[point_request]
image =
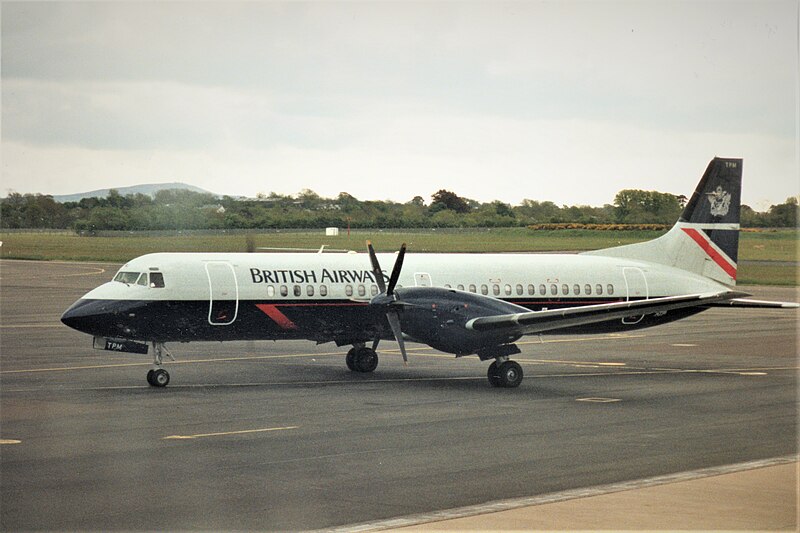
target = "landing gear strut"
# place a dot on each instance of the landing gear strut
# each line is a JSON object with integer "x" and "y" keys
{"x": 504, "y": 373}
{"x": 159, "y": 377}
{"x": 361, "y": 359}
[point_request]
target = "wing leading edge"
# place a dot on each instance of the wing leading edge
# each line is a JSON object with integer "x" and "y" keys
{"x": 540, "y": 321}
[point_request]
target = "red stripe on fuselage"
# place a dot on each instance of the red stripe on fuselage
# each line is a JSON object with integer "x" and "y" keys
{"x": 275, "y": 314}
{"x": 701, "y": 239}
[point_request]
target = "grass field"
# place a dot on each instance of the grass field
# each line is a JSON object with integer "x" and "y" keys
{"x": 774, "y": 250}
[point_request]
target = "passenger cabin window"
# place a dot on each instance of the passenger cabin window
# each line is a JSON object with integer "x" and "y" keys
{"x": 599, "y": 289}
{"x": 373, "y": 290}
{"x": 610, "y": 289}
{"x": 587, "y": 289}
{"x": 460, "y": 287}
{"x": 496, "y": 289}
{"x": 564, "y": 289}
{"x": 520, "y": 290}
{"x": 576, "y": 289}
{"x": 284, "y": 290}
{"x": 157, "y": 280}
{"x": 531, "y": 290}
{"x": 362, "y": 291}
{"x": 507, "y": 289}
{"x": 554, "y": 289}
{"x": 542, "y": 289}
{"x": 348, "y": 290}
{"x": 310, "y": 290}
{"x": 472, "y": 288}
{"x": 270, "y": 290}
{"x": 297, "y": 290}
{"x": 484, "y": 290}
{"x": 323, "y": 290}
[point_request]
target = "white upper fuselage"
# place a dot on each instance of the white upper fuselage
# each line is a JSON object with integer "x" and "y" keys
{"x": 332, "y": 276}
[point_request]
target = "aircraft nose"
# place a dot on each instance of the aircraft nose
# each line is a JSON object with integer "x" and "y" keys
{"x": 84, "y": 315}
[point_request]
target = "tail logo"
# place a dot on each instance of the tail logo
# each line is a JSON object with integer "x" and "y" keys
{"x": 720, "y": 202}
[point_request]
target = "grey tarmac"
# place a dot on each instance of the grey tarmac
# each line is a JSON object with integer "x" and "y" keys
{"x": 281, "y": 436}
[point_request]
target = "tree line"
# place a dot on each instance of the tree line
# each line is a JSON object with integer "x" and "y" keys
{"x": 180, "y": 209}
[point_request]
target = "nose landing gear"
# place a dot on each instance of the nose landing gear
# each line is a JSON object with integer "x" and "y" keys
{"x": 159, "y": 377}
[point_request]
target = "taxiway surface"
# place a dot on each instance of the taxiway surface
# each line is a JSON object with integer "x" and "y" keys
{"x": 266, "y": 436}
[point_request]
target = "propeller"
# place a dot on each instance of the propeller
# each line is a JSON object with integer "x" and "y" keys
{"x": 387, "y": 298}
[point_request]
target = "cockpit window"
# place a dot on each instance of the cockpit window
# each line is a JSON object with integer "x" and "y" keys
{"x": 142, "y": 280}
{"x": 157, "y": 280}
{"x": 127, "y": 277}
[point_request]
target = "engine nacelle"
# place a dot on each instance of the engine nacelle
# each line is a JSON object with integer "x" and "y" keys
{"x": 438, "y": 317}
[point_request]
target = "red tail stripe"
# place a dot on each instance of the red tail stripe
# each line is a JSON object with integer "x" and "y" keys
{"x": 275, "y": 314}
{"x": 701, "y": 239}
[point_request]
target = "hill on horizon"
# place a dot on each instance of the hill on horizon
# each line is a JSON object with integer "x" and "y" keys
{"x": 149, "y": 189}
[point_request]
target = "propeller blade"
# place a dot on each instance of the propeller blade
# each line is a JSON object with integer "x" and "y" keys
{"x": 394, "y": 322}
{"x": 376, "y": 267}
{"x": 398, "y": 265}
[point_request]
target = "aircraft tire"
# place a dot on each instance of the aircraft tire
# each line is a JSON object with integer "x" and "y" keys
{"x": 150, "y": 377}
{"x": 493, "y": 375}
{"x": 366, "y": 360}
{"x": 160, "y": 378}
{"x": 351, "y": 359}
{"x": 510, "y": 374}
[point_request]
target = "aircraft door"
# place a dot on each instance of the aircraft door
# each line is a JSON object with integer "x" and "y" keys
{"x": 636, "y": 289}
{"x": 422, "y": 279}
{"x": 223, "y": 304}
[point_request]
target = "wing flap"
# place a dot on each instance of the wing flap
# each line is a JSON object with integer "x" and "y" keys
{"x": 540, "y": 321}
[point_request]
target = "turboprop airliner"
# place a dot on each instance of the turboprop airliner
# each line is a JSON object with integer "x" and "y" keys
{"x": 462, "y": 304}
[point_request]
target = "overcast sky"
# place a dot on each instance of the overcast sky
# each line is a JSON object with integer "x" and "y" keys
{"x": 563, "y": 101}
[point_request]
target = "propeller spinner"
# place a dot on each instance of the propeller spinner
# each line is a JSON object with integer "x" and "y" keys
{"x": 387, "y": 298}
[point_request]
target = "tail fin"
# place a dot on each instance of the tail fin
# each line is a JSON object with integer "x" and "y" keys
{"x": 705, "y": 240}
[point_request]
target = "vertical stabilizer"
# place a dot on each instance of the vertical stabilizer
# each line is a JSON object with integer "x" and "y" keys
{"x": 705, "y": 240}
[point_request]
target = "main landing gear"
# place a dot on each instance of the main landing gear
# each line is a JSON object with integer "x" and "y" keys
{"x": 504, "y": 373}
{"x": 360, "y": 358}
{"x": 159, "y": 377}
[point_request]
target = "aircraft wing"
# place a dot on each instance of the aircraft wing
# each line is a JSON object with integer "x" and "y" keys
{"x": 754, "y": 304}
{"x": 540, "y": 321}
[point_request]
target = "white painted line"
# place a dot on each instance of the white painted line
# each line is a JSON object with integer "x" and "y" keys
{"x": 680, "y": 345}
{"x": 224, "y": 433}
{"x": 598, "y": 400}
{"x": 504, "y": 505}
{"x": 10, "y": 441}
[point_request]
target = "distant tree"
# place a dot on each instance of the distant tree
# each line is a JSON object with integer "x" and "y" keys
{"x": 636, "y": 206}
{"x": 418, "y": 201}
{"x": 784, "y": 215}
{"x": 444, "y": 199}
{"x": 33, "y": 211}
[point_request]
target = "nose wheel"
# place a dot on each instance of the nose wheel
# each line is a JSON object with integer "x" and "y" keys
{"x": 159, "y": 377}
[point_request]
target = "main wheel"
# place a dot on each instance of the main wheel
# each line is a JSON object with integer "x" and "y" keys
{"x": 351, "y": 359}
{"x": 150, "y": 377}
{"x": 366, "y": 360}
{"x": 510, "y": 374}
{"x": 160, "y": 378}
{"x": 493, "y": 375}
